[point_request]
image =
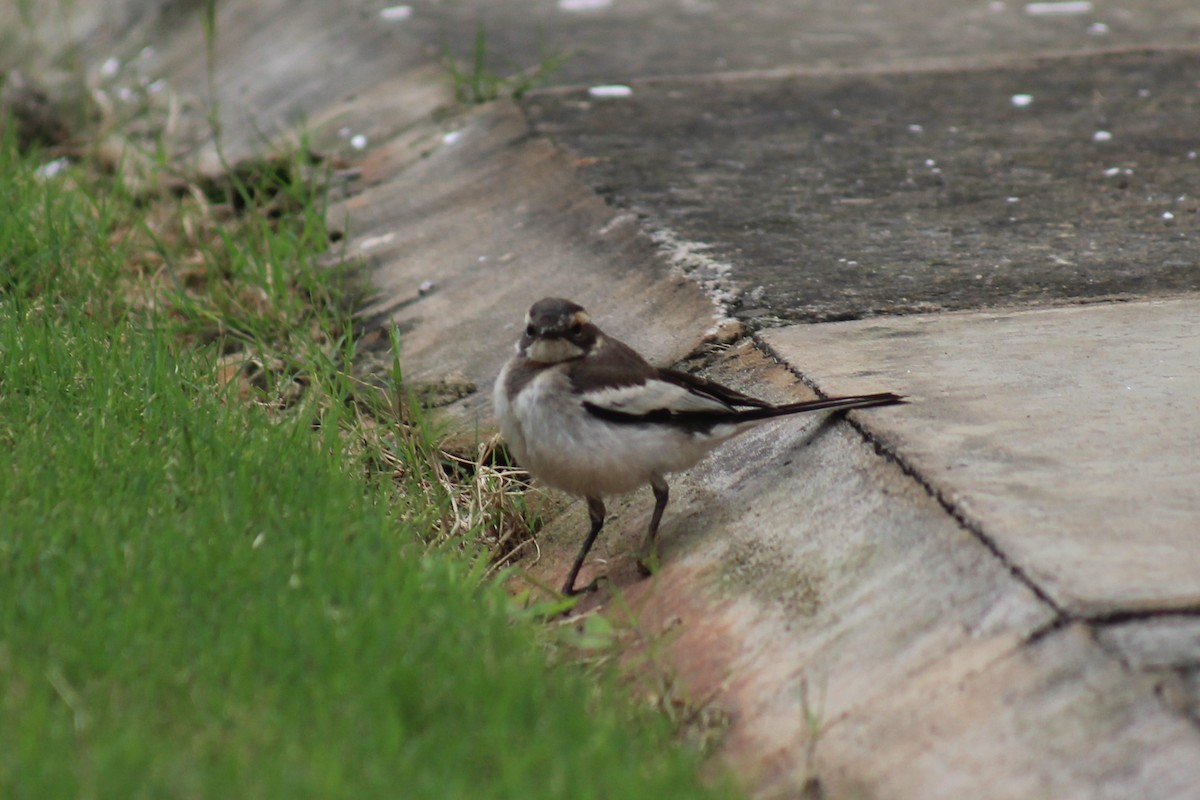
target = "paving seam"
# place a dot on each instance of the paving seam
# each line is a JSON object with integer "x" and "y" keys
{"x": 1062, "y": 619}
{"x": 1118, "y": 617}
{"x": 1015, "y": 60}
{"x": 881, "y": 448}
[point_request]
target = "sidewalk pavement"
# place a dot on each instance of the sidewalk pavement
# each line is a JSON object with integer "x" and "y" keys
{"x": 991, "y": 207}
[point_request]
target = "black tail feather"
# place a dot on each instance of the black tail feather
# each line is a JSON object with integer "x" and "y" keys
{"x": 825, "y": 404}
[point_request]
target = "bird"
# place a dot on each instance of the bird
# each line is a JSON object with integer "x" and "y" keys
{"x": 585, "y": 413}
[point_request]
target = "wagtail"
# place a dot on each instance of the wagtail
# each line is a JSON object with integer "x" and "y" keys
{"x": 585, "y": 413}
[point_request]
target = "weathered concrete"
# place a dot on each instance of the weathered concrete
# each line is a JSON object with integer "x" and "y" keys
{"x": 458, "y": 242}
{"x": 1066, "y": 437}
{"x": 837, "y": 196}
{"x": 1166, "y": 648}
{"x": 1054, "y": 719}
{"x": 629, "y": 39}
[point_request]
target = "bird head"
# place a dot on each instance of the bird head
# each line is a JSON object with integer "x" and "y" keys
{"x": 557, "y": 330}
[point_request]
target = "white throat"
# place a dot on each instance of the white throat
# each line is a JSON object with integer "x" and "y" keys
{"x": 552, "y": 351}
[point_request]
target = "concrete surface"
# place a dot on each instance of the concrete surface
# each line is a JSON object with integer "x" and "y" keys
{"x": 1077, "y": 461}
{"x": 624, "y": 40}
{"x": 990, "y": 592}
{"x": 841, "y": 195}
{"x": 483, "y": 224}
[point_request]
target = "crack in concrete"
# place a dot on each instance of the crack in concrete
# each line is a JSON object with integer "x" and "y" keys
{"x": 1134, "y": 615}
{"x": 1061, "y": 616}
{"x": 1062, "y": 619}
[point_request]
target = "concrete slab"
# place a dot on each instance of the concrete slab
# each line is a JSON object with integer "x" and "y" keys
{"x": 621, "y": 40}
{"x": 843, "y": 195}
{"x": 460, "y": 231}
{"x": 1054, "y": 719}
{"x": 278, "y": 64}
{"x": 1167, "y": 648}
{"x": 1066, "y": 437}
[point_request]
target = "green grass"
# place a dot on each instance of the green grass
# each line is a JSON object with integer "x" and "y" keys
{"x": 204, "y": 594}
{"x": 475, "y": 82}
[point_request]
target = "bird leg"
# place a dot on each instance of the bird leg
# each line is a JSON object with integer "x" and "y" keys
{"x": 648, "y": 556}
{"x": 596, "y": 513}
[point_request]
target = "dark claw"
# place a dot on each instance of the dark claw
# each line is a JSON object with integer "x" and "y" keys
{"x": 571, "y": 591}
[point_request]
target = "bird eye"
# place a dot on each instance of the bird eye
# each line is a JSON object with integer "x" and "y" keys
{"x": 530, "y": 330}
{"x": 575, "y": 329}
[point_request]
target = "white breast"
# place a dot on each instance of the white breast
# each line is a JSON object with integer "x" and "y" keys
{"x": 559, "y": 442}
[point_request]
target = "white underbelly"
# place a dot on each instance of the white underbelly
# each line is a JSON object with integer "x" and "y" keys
{"x": 563, "y": 445}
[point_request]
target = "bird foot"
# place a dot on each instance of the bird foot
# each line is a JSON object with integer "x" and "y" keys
{"x": 647, "y": 564}
{"x": 573, "y": 591}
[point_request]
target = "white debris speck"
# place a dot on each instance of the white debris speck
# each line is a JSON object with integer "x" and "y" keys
{"x": 426, "y": 287}
{"x": 110, "y": 67}
{"x": 1012, "y": 199}
{"x": 837, "y": 112}
{"x": 395, "y": 13}
{"x": 1097, "y": 29}
{"x": 258, "y": 541}
{"x": 154, "y": 87}
{"x": 482, "y": 259}
{"x": 1191, "y": 155}
{"x": 1167, "y": 215}
{"x": 1112, "y": 172}
{"x": 358, "y": 141}
{"x": 583, "y": 5}
{"x": 914, "y": 128}
{"x": 1143, "y": 92}
{"x": 371, "y": 242}
{"x": 929, "y": 162}
{"x": 1021, "y": 100}
{"x": 1062, "y": 9}
{"x": 52, "y": 168}
{"x": 451, "y": 137}
{"x": 616, "y": 222}
{"x": 1102, "y": 136}
{"x": 611, "y": 90}
{"x": 124, "y": 94}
